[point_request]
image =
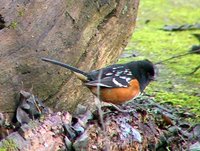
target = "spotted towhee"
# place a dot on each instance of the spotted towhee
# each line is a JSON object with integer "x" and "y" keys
{"x": 117, "y": 83}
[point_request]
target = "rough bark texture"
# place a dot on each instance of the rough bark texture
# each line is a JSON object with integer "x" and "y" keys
{"x": 86, "y": 34}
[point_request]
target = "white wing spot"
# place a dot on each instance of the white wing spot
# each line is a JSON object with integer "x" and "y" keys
{"x": 108, "y": 74}
{"x": 129, "y": 73}
{"x": 118, "y": 73}
{"x": 126, "y": 70}
{"x": 117, "y": 83}
{"x": 128, "y": 80}
{"x": 122, "y": 77}
{"x": 125, "y": 78}
{"x": 119, "y": 67}
{"x": 98, "y": 84}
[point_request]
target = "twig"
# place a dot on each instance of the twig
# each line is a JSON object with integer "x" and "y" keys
{"x": 160, "y": 107}
{"x": 36, "y": 104}
{"x": 195, "y": 69}
{"x": 101, "y": 112}
{"x": 178, "y": 56}
{"x": 117, "y": 108}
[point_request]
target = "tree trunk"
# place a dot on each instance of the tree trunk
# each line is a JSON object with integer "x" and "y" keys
{"x": 86, "y": 34}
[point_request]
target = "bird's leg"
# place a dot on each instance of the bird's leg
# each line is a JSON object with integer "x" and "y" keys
{"x": 110, "y": 105}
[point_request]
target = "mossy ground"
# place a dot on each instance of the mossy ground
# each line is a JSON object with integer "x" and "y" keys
{"x": 8, "y": 145}
{"x": 149, "y": 41}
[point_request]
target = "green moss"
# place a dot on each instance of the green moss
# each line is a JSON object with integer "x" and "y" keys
{"x": 13, "y": 25}
{"x": 174, "y": 84}
{"x": 23, "y": 69}
{"x": 21, "y": 12}
{"x": 8, "y": 145}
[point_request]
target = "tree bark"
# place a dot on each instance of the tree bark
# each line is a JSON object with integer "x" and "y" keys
{"x": 86, "y": 34}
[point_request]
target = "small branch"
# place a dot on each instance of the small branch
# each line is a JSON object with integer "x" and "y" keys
{"x": 178, "y": 56}
{"x": 195, "y": 69}
{"x": 99, "y": 105}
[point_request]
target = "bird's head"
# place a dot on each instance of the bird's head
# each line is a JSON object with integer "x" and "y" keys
{"x": 143, "y": 71}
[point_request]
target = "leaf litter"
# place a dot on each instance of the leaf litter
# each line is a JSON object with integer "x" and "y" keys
{"x": 148, "y": 126}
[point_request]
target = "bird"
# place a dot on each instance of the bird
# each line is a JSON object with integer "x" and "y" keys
{"x": 117, "y": 83}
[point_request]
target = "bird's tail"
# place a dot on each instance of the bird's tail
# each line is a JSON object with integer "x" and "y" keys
{"x": 81, "y": 74}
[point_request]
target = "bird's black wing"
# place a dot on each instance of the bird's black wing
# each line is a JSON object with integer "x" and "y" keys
{"x": 111, "y": 77}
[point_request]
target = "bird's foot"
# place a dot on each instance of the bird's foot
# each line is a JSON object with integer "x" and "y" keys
{"x": 115, "y": 107}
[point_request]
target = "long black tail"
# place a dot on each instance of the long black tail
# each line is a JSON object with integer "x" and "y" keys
{"x": 76, "y": 70}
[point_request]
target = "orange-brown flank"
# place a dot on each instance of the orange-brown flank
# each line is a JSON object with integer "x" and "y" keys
{"x": 118, "y": 95}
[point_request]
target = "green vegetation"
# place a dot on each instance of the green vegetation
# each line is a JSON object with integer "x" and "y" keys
{"x": 21, "y": 12}
{"x": 2, "y": 149}
{"x": 13, "y": 25}
{"x": 8, "y": 145}
{"x": 149, "y": 41}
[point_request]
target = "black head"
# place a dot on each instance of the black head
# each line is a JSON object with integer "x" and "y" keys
{"x": 143, "y": 71}
{"x": 147, "y": 68}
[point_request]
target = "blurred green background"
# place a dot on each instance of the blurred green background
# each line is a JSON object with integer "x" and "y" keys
{"x": 149, "y": 41}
